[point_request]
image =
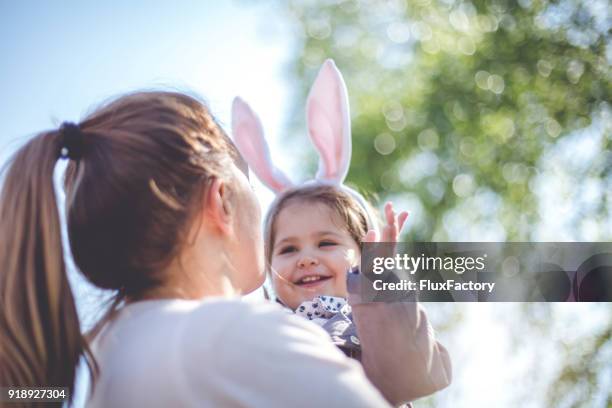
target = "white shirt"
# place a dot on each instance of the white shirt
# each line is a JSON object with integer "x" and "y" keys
{"x": 222, "y": 353}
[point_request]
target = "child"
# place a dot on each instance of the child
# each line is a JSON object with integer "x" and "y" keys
{"x": 313, "y": 234}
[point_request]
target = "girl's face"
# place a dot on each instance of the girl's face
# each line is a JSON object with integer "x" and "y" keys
{"x": 312, "y": 253}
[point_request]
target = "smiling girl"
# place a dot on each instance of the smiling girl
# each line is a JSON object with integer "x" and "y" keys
{"x": 313, "y": 236}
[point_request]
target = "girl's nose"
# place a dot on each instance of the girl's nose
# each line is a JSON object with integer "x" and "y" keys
{"x": 306, "y": 261}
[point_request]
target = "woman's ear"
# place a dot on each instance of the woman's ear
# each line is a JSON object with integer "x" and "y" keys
{"x": 217, "y": 208}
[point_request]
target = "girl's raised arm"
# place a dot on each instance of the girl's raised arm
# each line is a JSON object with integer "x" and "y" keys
{"x": 400, "y": 353}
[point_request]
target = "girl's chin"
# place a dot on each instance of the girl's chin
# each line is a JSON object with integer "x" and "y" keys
{"x": 303, "y": 293}
{"x": 325, "y": 288}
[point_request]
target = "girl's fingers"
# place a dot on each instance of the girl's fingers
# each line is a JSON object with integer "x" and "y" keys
{"x": 394, "y": 224}
{"x": 371, "y": 236}
{"x": 401, "y": 219}
{"x": 387, "y": 234}
{"x": 389, "y": 213}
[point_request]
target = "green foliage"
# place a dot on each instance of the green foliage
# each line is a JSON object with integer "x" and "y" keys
{"x": 455, "y": 103}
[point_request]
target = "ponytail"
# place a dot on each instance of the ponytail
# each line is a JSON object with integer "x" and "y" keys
{"x": 40, "y": 337}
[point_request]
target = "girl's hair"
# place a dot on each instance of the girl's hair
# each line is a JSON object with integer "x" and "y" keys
{"x": 355, "y": 214}
{"x": 144, "y": 162}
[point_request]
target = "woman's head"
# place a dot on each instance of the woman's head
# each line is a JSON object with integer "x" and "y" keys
{"x": 312, "y": 238}
{"x": 147, "y": 160}
{"x": 149, "y": 172}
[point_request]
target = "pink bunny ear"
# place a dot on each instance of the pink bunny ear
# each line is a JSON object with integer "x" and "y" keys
{"x": 249, "y": 138}
{"x": 329, "y": 123}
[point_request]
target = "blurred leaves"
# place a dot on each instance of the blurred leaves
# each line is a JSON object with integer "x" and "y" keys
{"x": 454, "y": 103}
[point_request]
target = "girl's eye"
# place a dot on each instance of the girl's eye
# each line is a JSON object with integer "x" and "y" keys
{"x": 287, "y": 249}
{"x": 326, "y": 243}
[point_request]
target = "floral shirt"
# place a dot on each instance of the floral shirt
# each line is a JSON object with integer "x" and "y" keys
{"x": 333, "y": 314}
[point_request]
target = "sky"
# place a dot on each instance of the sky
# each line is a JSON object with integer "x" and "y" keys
{"x": 61, "y": 59}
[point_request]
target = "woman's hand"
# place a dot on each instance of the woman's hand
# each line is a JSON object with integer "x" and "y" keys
{"x": 393, "y": 227}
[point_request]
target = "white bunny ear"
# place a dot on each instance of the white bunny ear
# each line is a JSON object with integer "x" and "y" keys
{"x": 249, "y": 138}
{"x": 329, "y": 123}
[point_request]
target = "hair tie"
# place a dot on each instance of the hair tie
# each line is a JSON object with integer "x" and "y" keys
{"x": 72, "y": 141}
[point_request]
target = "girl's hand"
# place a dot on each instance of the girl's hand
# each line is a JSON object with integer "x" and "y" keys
{"x": 392, "y": 228}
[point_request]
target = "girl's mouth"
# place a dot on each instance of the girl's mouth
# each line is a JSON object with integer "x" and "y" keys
{"x": 312, "y": 280}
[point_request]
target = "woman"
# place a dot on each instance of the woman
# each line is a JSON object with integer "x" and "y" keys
{"x": 160, "y": 210}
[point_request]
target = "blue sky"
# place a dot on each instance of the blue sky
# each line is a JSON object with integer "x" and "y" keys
{"x": 59, "y": 59}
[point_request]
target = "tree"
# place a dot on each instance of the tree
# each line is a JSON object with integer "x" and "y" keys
{"x": 455, "y": 103}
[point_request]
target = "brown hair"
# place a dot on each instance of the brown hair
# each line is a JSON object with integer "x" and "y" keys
{"x": 355, "y": 215}
{"x": 146, "y": 159}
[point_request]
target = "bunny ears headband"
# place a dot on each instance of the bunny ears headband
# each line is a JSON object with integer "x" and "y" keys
{"x": 329, "y": 128}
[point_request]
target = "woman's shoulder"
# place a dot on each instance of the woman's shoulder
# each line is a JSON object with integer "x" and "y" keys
{"x": 227, "y": 309}
{"x": 262, "y": 356}
{"x": 231, "y": 317}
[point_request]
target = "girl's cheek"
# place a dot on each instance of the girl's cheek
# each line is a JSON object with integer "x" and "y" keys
{"x": 280, "y": 267}
{"x": 278, "y": 281}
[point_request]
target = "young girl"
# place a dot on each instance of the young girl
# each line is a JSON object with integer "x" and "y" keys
{"x": 313, "y": 235}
